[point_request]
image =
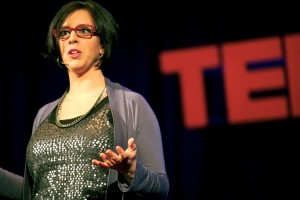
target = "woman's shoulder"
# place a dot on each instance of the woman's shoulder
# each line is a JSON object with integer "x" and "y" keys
{"x": 119, "y": 89}
{"x": 45, "y": 110}
{"x": 50, "y": 105}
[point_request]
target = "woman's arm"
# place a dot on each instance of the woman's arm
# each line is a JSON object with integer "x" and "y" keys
{"x": 10, "y": 184}
{"x": 150, "y": 179}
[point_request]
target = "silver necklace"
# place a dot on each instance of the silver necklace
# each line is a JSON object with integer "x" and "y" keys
{"x": 78, "y": 119}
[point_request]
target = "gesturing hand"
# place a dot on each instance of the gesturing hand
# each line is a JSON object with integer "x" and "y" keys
{"x": 124, "y": 162}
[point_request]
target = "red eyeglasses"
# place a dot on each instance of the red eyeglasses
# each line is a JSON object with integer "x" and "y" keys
{"x": 85, "y": 31}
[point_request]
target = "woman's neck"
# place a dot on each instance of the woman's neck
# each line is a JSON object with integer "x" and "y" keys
{"x": 90, "y": 82}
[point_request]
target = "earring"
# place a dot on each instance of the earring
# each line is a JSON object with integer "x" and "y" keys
{"x": 59, "y": 63}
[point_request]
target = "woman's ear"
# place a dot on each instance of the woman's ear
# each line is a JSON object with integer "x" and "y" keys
{"x": 101, "y": 52}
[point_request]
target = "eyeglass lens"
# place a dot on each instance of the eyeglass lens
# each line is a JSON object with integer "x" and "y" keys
{"x": 82, "y": 31}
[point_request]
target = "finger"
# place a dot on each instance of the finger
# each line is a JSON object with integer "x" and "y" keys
{"x": 99, "y": 163}
{"x": 131, "y": 144}
{"x": 106, "y": 158}
{"x": 110, "y": 153}
{"x": 103, "y": 156}
{"x": 121, "y": 152}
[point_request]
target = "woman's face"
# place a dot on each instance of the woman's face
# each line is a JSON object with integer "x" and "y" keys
{"x": 80, "y": 52}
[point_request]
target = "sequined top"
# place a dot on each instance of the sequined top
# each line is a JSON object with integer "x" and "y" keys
{"x": 60, "y": 159}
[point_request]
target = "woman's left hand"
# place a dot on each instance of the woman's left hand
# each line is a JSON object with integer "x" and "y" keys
{"x": 124, "y": 162}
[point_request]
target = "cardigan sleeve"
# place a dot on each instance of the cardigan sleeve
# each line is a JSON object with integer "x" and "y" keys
{"x": 150, "y": 180}
{"x": 10, "y": 185}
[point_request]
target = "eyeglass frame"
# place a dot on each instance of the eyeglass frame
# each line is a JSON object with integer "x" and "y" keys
{"x": 93, "y": 31}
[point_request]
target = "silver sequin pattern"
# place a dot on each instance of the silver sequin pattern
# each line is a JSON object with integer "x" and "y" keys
{"x": 60, "y": 159}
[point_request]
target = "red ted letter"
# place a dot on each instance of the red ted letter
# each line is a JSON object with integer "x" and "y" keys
{"x": 240, "y": 81}
{"x": 189, "y": 64}
{"x": 292, "y": 45}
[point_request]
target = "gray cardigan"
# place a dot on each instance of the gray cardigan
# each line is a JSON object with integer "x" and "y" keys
{"x": 133, "y": 117}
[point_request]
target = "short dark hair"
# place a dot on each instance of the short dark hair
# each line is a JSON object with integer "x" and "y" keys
{"x": 106, "y": 27}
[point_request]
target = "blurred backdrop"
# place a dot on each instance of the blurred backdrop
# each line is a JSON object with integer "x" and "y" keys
{"x": 222, "y": 78}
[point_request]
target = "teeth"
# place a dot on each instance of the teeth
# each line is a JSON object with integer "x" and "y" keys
{"x": 73, "y": 52}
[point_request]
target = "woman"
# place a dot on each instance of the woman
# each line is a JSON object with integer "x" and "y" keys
{"x": 100, "y": 140}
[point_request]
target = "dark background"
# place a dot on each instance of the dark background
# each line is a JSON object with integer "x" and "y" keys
{"x": 221, "y": 161}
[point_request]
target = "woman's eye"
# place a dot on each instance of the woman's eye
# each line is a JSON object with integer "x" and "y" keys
{"x": 64, "y": 32}
{"x": 85, "y": 30}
